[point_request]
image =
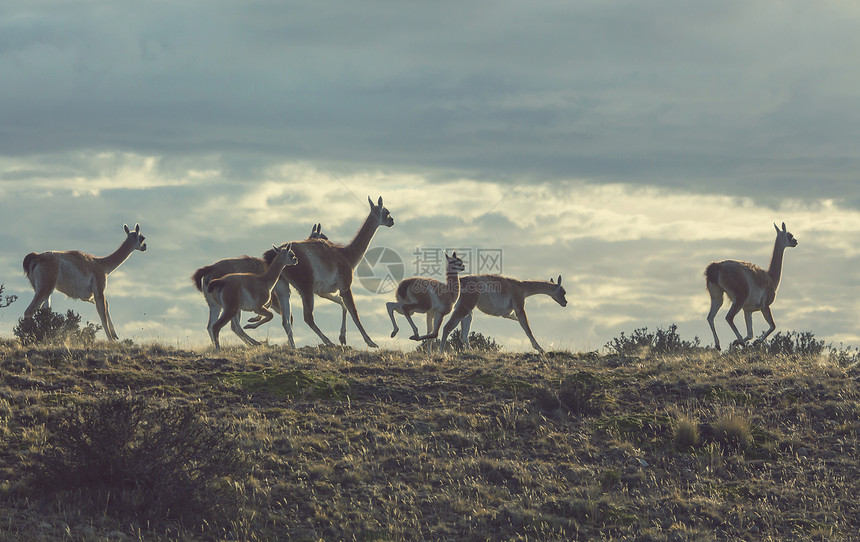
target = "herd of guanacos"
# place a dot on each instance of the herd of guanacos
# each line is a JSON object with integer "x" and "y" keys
{"x": 318, "y": 267}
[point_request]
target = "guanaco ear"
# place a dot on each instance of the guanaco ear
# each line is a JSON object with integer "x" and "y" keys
{"x": 783, "y": 226}
{"x": 289, "y": 246}
{"x": 276, "y": 249}
{"x": 137, "y": 228}
{"x": 370, "y": 201}
{"x": 125, "y": 226}
{"x": 559, "y": 280}
{"x": 776, "y": 227}
{"x": 380, "y": 201}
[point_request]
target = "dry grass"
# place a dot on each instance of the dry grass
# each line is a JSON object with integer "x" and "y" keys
{"x": 343, "y": 444}
{"x": 732, "y": 430}
{"x": 687, "y": 436}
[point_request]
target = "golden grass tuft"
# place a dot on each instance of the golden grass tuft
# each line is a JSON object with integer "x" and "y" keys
{"x": 732, "y": 430}
{"x": 686, "y": 433}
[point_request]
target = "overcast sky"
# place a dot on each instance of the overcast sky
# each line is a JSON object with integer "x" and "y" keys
{"x": 623, "y": 145}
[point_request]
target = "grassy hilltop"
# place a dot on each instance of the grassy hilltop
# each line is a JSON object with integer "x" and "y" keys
{"x": 123, "y": 442}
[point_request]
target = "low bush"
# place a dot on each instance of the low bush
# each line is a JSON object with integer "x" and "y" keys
{"x": 662, "y": 341}
{"x": 794, "y": 343}
{"x": 844, "y": 356}
{"x": 48, "y": 327}
{"x": 686, "y": 434}
{"x": 478, "y": 342}
{"x": 140, "y": 462}
{"x": 581, "y": 393}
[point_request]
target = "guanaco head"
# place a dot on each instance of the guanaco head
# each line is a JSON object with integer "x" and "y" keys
{"x": 316, "y": 232}
{"x": 784, "y": 237}
{"x": 284, "y": 254}
{"x": 455, "y": 264}
{"x": 135, "y": 237}
{"x": 385, "y": 218}
{"x": 558, "y": 292}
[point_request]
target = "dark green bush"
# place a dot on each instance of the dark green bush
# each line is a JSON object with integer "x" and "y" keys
{"x": 581, "y": 393}
{"x": 662, "y": 341}
{"x": 793, "y": 343}
{"x": 844, "y": 356}
{"x": 141, "y": 462}
{"x": 477, "y": 342}
{"x": 47, "y": 326}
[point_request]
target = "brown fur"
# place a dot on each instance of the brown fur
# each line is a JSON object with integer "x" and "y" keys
{"x": 749, "y": 287}
{"x": 499, "y": 296}
{"x": 331, "y": 258}
{"x": 243, "y": 264}
{"x": 732, "y": 270}
{"x": 78, "y": 275}
{"x": 248, "y": 291}
{"x": 429, "y": 296}
{"x": 249, "y": 264}
{"x": 325, "y": 267}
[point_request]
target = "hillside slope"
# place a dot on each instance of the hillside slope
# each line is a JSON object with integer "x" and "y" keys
{"x": 344, "y": 444}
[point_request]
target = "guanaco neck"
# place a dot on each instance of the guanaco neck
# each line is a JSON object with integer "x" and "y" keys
{"x": 532, "y": 287}
{"x": 273, "y": 272}
{"x": 358, "y": 246}
{"x": 774, "y": 270}
{"x": 114, "y": 260}
{"x": 452, "y": 283}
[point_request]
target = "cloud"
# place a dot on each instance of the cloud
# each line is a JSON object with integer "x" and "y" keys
{"x": 748, "y": 100}
{"x": 87, "y": 174}
{"x": 630, "y": 256}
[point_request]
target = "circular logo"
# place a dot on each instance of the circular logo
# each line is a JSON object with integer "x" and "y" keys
{"x": 380, "y": 270}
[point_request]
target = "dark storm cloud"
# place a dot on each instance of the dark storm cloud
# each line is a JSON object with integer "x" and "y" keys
{"x": 733, "y": 97}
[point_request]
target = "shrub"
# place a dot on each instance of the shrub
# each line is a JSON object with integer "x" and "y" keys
{"x": 47, "y": 326}
{"x": 662, "y": 341}
{"x": 581, "y": 393}
{"x": 794, "y": 343}
{"x": 844, "y": 356}
{"x": 9, "y": 299}
{"x": 609, "y": 479}
{"x": 477, "y": 341}
{"x": 143, "y": 463}
{"x": 547, "y": 399}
